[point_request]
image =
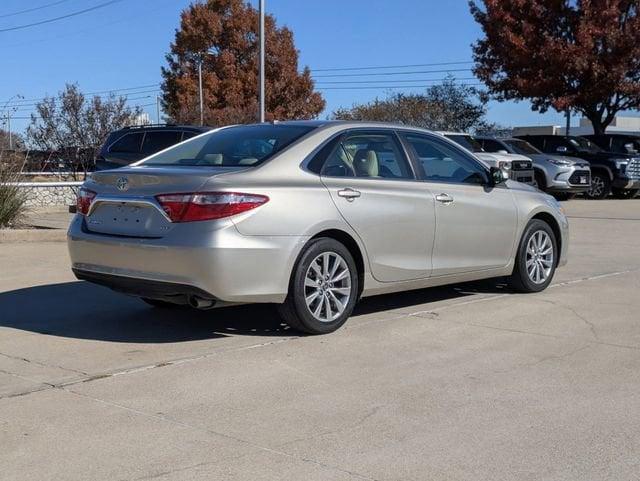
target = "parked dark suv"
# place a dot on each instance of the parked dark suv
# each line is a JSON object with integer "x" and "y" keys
{"x": 131, "y": 144}
{"x": 610, "y": 172}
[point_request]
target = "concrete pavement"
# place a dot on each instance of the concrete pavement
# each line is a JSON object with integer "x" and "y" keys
{"x": 458, "y": 383}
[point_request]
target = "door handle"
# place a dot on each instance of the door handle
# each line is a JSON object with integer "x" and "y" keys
{"x": 444, "y": 198}
{"x": 349, "y": 194}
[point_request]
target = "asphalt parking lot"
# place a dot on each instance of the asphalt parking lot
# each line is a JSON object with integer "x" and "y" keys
{"x": 466, "y": 382}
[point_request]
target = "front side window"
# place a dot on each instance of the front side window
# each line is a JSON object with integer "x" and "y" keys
{"x": 466, "y": 141}
{"x": 522, "y": 147}
{"x": 490, "y": 145}
{"x": 244, "y": 145}
{"x": 442, "y": 163}
{"x": 374, "y": 155}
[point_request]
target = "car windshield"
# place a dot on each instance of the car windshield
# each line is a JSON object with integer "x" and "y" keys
{"x": 522, "y": 147}
{"x": 466, "y": 141}
{"x": 584, "y": 145}
{"x": 243, "y": 145}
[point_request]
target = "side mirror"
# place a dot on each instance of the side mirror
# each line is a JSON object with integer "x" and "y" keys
{"x": 497, "y": 176}
{"x": 502, "y": 151}
{"x": 562, "y": 149}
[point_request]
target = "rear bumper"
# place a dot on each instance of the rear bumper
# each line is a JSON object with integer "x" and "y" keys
{"x": 211, "y": 261}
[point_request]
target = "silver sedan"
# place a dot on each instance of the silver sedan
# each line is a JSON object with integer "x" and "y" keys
{"x": 312, "y": 216}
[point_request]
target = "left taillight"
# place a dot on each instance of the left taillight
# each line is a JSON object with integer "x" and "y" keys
{"x": 208, "y": 205}
{"x": 83, "y": 201}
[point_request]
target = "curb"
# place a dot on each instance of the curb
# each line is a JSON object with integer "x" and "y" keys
{"x": 32, "y": 235}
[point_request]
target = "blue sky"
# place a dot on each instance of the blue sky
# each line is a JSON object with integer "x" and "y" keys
{"x": 123, "y": 45}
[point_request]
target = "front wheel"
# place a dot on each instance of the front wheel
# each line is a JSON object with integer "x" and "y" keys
{"x": 600, "y": 186}
{"x": 625, "y": 193}
{"x": 536, "y": 259}
{"x": 323, "y": 289}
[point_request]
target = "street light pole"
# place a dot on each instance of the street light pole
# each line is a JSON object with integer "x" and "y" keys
{"x": 261, "y": 67}
{"x": 200, "y": 89}
{"x": 157, "y": 109}
{"x": 9, "y": 128}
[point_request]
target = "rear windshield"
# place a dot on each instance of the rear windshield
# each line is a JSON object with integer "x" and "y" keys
{"x": 243, "y": 145}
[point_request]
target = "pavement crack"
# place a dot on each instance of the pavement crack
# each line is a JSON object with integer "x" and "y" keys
{"x": 42, "y": 364}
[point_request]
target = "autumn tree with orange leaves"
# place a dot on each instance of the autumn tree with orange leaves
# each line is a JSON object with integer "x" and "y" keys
{"x": 582, "y": 55}
{"x": 229, "y": 30}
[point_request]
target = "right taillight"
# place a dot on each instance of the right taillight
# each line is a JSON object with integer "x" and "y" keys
{"x": 83, "y": 202}
{"x": 208, "y": 205}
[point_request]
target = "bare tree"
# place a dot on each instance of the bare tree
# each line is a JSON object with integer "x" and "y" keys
{"x": 75, "y": 126}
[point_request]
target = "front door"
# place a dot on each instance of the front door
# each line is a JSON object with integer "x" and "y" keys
{"x": 373, "y": 186}
{"x": 476, "y": 224}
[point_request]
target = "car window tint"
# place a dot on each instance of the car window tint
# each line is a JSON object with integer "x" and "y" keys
{"x": 128, "y": 143}
{"x": 442, "y": 163}
{"x": 188, "y": 134}
{"x": 490, "y": 145}
{"x": 157, "y": 141}
{"x": 373, "y": 155}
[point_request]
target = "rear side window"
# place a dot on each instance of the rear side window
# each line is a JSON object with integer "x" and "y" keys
{"x": 160, "y": 140}
{"x": 490, "y": 145}
{"x": 129, "y": 143}
{"x": 245, "y": 145}
{"x": 367, "y": 154}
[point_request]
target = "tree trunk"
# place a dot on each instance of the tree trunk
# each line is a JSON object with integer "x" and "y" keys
{"x": 597, "y": 122}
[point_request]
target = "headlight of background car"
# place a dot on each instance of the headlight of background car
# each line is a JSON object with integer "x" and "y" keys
{"x": 504, "y": 165}
{"x": 560, "y": 162}
{"x": 621, "y": 164}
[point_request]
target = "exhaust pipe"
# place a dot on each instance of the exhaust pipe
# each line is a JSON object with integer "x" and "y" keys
{"x": 201, "y": 303}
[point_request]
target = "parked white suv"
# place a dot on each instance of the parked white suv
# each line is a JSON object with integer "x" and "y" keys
{"x": 518, "y": 167}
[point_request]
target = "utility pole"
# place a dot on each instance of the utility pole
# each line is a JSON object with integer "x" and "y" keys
{"x": 157, "y": 109}
{"x": 200, "y": 88}
{"x": 261, "y": 67}
{"x": 9, "y": 129}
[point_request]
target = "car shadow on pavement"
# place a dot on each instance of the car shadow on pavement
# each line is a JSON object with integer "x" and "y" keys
{"x": 85, "y": 311}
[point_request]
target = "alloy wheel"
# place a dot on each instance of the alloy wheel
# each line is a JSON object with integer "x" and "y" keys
{"x": 597, "y": 186}
{"x": 539, "y": 259}
{"x": 327, "y": 286}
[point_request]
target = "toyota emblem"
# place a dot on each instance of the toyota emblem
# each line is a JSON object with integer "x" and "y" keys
{"x": 122, "y": 183}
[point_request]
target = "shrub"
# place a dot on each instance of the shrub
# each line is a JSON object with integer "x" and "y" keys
{"x": 12, "y": 197}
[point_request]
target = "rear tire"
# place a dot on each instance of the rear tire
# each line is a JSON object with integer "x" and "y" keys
{"x": 536, "y": 259}
{"x": 625, "y": 193}
{"x": 600, "y": 186}
{"x": 323, "y": 289}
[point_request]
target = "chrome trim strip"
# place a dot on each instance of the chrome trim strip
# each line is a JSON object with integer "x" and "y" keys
{"x": 135, "y": 201}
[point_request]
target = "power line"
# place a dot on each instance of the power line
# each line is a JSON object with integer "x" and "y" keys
{"x": 392, "y": 73}
{"x": 50, "y": 20}
{"x": 389, "y": 66}
{"x": 394, "y": 80}
{"x": 379, "y": 87}
{"x": 25, "y": 102}
{"x": 46, "y": 5}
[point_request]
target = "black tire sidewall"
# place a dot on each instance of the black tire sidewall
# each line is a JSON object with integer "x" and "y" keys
{"x": 296, "y": 290}
{"x": 525, "y": 283}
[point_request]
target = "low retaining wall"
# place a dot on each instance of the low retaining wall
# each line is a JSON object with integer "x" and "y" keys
{"x": 50, "y": 193}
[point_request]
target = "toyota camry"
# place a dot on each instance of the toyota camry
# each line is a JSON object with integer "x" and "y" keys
{"x": 311, "y": 216}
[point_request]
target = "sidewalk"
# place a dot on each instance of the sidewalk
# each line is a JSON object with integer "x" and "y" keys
{"x": 57, "y": 217}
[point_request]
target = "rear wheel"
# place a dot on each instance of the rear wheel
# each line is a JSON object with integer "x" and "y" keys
{"x": 536, "y": 259}
{"x": 323, "y": 289}
{"x": 624, "y": 193}
{"x": 600, "y": 186}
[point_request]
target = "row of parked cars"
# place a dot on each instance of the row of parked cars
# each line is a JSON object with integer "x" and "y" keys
{"x": 596, "y": 166}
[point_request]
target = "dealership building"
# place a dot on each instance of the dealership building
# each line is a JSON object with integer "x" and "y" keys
{"x": 620, "y": 125}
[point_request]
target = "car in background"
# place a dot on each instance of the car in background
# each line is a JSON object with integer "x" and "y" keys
{"x": 563, "y": 177}
{"x": 610, "y": 172}
{"x": 134, "y": 143}
{"x": 620, "y": 144}
{"x": 312, "y": 216}
{"x": 517, "y": 167}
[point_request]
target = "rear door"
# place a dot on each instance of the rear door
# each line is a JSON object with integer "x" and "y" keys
{"x": 476, "y": 225}
{"x": 374, "y": 187}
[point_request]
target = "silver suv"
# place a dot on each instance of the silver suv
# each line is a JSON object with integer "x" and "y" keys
{"x": 561, "y": 176}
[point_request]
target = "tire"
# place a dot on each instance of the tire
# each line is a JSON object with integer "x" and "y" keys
{"x": 563, "y": 195}
{"x": 625, "y": 193}
{"x": 342, "y": 289}
{"x": 161, "y": 304}
{"x": 540, "y": 180}
{"x": 523, "y": 279}
{"x": 600, "y": 186}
